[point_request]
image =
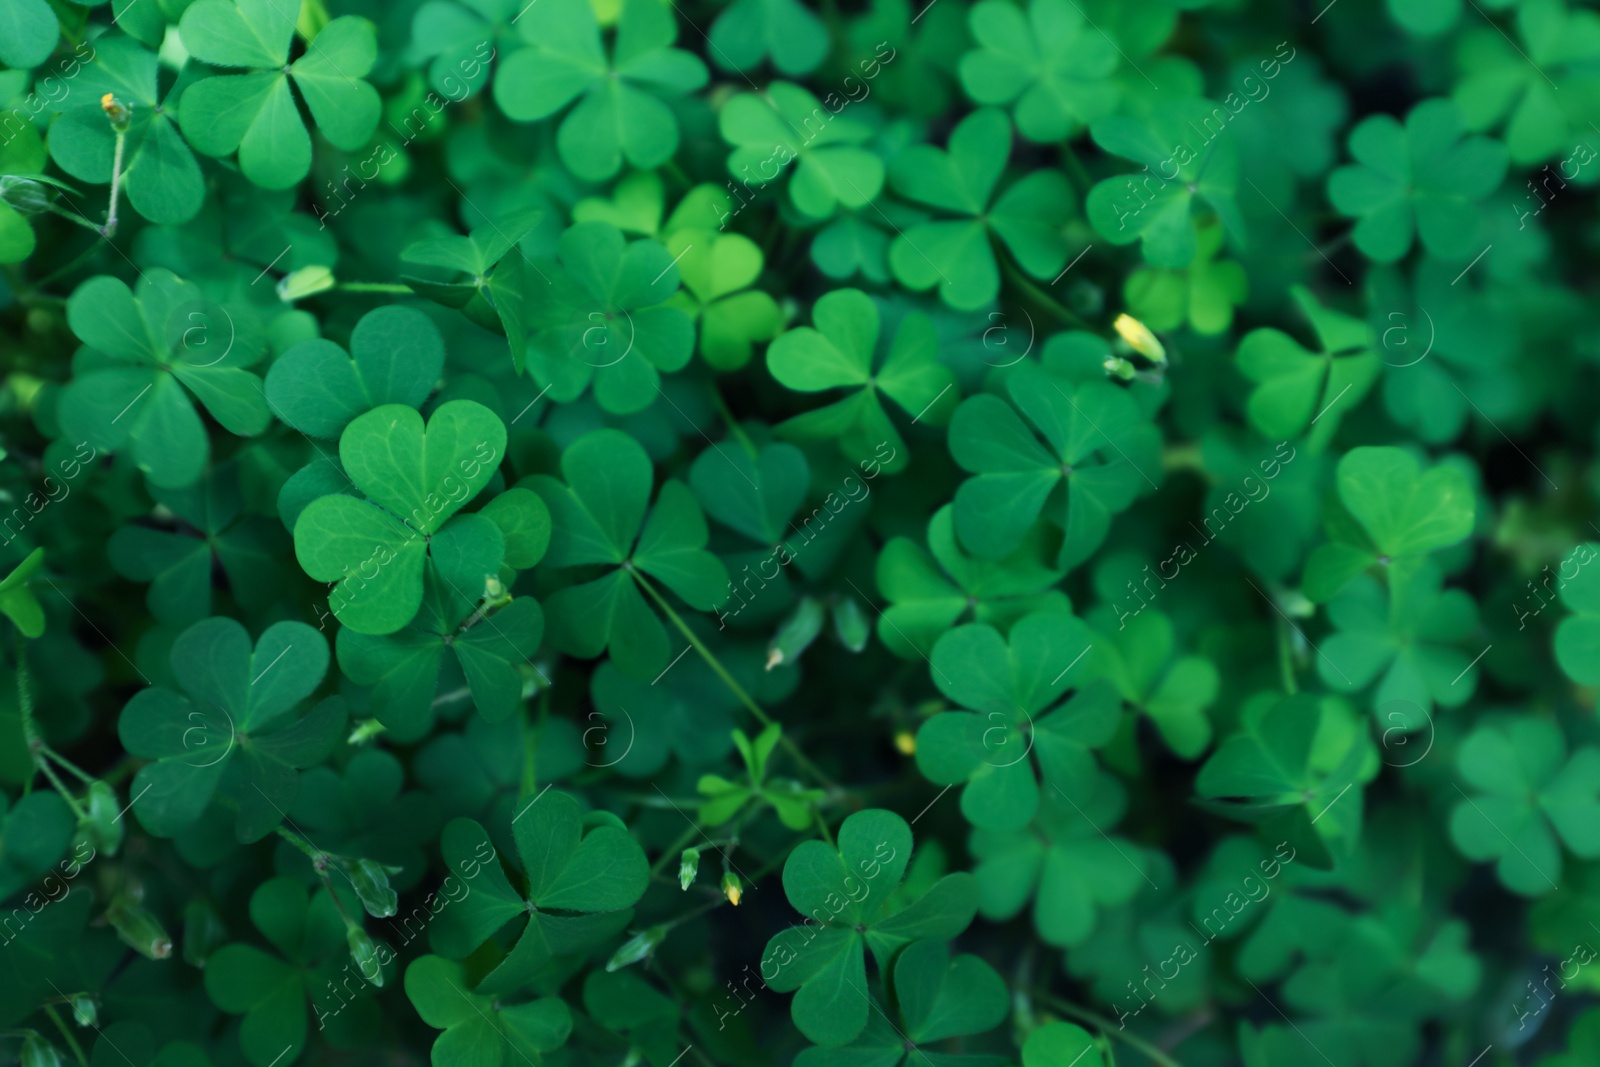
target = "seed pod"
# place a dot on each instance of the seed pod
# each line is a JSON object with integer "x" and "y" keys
{"x": 139, "y": 927}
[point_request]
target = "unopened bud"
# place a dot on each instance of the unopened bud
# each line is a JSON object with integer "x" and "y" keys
{"x": 731, "y": 888}
{"x": 688, "y": 867}
{"x": 307, "y": 281}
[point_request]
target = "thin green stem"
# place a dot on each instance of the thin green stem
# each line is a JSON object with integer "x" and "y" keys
{"x": 374, "y": 287}
{"x": 79, "y": 219}
{"x": 116, "y": 181}
{"x": 1075, "y": 166}
{"x": 315, "y": 854}
{"x": 77, "y": 1050}
{"x": 77, "y": 771}
{"x": 729, "y": 681}
{"x": 1285, "y": 664}
{"x": 675, "y": 849}
{"x": 30, "y": 730}
{"x": 1040, "y": 297}
{"x": 822, "y": 824}
{"x": 733, "y": 425}
{"x": 1106, "y": 1027}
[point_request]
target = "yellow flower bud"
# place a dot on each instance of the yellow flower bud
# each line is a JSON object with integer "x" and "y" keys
{"x": 1139, "y": 338}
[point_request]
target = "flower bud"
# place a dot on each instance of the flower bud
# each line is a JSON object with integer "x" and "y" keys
{"x": 637, "y": 948}
{"x": 688, "y": 867}
{"x": 307, "y": 281}
{"x": 731, "y": 888}
{"x": 139, "y": 928}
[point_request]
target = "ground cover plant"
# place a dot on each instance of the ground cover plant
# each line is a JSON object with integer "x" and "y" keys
{"x": 741, "y": 533}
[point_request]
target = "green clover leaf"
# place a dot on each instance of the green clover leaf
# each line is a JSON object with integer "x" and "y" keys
{"x": 1421, "y": 178}
{"x": 1204, "y": 294}
{"x": 1204, "y": 169}
{"x": 415, "y": 479}
{"x": 1394, "y": 514}
{"x": 1084, "y": 476}
{"x": 1138, "y": 657}
{"x": 364, "y": 811}
{"x": 453, "y": 36}
{"x": 22, "y": 193}
{"x": 938, "y": 997}
{"x": 1529, "y": 799}
{"x": 1028, "y": 218}
{"x": 271, "y": 991}
{"x": 29, "y": 32}
{"x": 1294, "y": 386}
{"x": 600, "y": 519}
{"x": 1577, "y": 642}
{"x": 162, "y": 179}
{"x": 482, "y": 1031}
{"x": 847, "y": 894}
{"x": 17, "y": 601}
{"x": 581, "y": 888}
{"x": 396, "y": 356}
{"x": 125, "y": 391}
{"x": 255, "y": 114}
{"x": 604, "y": 318}
{"x": 930, "y": 590}
{"x": 785, "y": 31}
{"x": 233, "y": 732}
{"x": 1055, "y": 1043}
{"x": 1049, "y": 60}
{"x": 786, "y": 121}
{"x": 717, "y": 270}
{"x": 1007, "y": 685}
{"x": 621, "y": 115}
{"x": 839, "y": 352}
{"x": 211, "y": 527}
{"x": 1065, "y": 862}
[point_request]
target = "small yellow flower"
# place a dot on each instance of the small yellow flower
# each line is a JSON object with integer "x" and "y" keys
{"x": 906, "y": 742}
{"x": 732, "y": 889}
{"x": 1139, "y": 338}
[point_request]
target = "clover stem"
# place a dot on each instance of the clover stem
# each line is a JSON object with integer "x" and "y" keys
{"x": 1105, "y": 1026}
{"x": 733, "y": 425}
{"x": 1285, "y": 664}
{"x": 822, "y": 824}
{"x": 373, "y": 287}
{"x": 116, "y": 181}
{"x": 729, "y": 681}
{"x": 77, "y": 1050}
{"x": 1075, "y": 166}
{"x": 1040, "y": 297}
{"x": 674, "y": 849}
{"x": 530, "y": 746}
{"x": 313, "y": 853}
{"x": 30, "y": 729}
{"x": 67, "y": 764}
{"x": 79, "y": 219}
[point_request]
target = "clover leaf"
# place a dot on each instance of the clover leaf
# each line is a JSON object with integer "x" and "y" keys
{"x": 1049, "y": 60}
{"x": 255, "y": 114}
{"x": 29, "y": 32}
{"x": 930, "y": 590}
{"x": 415, "y": 479}
{"x": 1204, "y": 163}
{"x": 178, "y": 564}
{"x": 162, "y": 179}
{"x": 453, "y": 36}
{"x": 1139, "y": 658}
{"x": 839, "y": 351}
{"x": 1577, "y": 641}
{"x": 231, "y": 730}
{"x": 795, "y": 806}
{"x": 1529, "y": 798}
{"x": 603, "y": 317}
{"x": 825, "y": 964}
{"x": 478, "y": 1030}
{"x": 22, "y": 193}
{"x": 396, "y": 356}
{"x": 938, "y": 998}
{"x": 1520, "y": 84}
{"x": 1007, "y": 685}
{"x": 717, "y": 270}
{"x": 787, "y": 123}
{"x": 271, "y": 991}
{"x": 1295, "y": 387}
{"x": 1421, "y": 178}
{"x": 138, "y": 346}
{"x": 17, "y": 601}
{"x": 1084, "y": 476}
{"x": 621, "y": 114}
{"x": 1419, "y": 642}
{"x": 1055, "y": 1043}
{"x": 1065, "y": 862}
{"x": 403, "y": 668}
{"x": 363, "y": 811}
{"x": 785, "y": 31}
{"x": 600, "y": 518}
{"x": 1395, "y": 514}
{"x": 1203, "y": 295}
{"x": 1028, "y": 218}
{"x": 583, "y": 878}
{"x": 636, "y": 726}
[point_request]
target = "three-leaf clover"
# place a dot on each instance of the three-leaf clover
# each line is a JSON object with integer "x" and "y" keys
{"x": 938, "y": 997}
{"x": 620, "y": 115}
{"x": 1424, "y": 178}
{"x": 786, "y": 123}
{"x": 231, "y": 729}
{"x": 845, "y": 895}
{"x": 255, "y": 114}
{"x": 929, "y": 590}
{"x": 1048, "y": 59}
{"x": 478, "y": 1030}
{"x": 1204, "y": 294}
{"x": 125, "y": 390}
{"x": 1394, "y": 514}
{"x": 785, "y": 31}
{"x": 603, "y": 318}
{"x": 600, "y": 519}
{"x": 583, "y": 877}
{"x": 795, "y": 806}
{"x": 1294, "y": 386}
{"x": 955, "y": 253}
{"x": 840, "y": 351}
{"x": 1186, "y": 156}
{"x": 1007, "y": 685}
{"x": 717, "y": 270}
{"x": 160, "y": 175}
{"x": 415, "y": 479}
{"x": 1529, "y": 798}
{"x": 1082, "y": 476}
{"x": 1138, "y": 657}
{"x": 395, "y": 357}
